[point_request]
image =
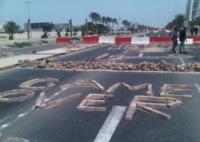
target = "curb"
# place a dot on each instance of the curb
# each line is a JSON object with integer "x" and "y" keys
{"x": 55, "y": 55}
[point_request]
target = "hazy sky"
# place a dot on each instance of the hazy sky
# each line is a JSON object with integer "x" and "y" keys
{"x": 151, "y": 12}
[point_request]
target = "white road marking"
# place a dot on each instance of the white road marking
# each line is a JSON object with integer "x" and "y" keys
{"x": 4, "y": 119}
{"x": 22, "y": 114}
{"x": 198, "y": 87}
{"x": 55, "y": 95}
{"x": 4, "y": 126}
{"x": 102, "y": 56}
{"x": 110, "y": 48}
{"x": 110, "y": 124}
{"x": 182, "y": 61}
{"x": 141, "y": 55}
{"x": 126, "y": 51}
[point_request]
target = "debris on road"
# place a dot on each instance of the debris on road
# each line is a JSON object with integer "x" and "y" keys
{"x": 87, "y": 65}
{"x": 176, "y": 91}
{"x": 92, "y": 102}
{"x": 30, "y": 85}
{"x": 43, "y": 104}
{"x": 150, "y": 104}
{"x": 18, "y": 95}
{"x": 81, "y": 84}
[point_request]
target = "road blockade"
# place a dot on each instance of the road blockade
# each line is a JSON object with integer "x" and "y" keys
{"x": 123, "y": 40}
{"x": 90, "y": 39}
{"x": 63, "y": 41}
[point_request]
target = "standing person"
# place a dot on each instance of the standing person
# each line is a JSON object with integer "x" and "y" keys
{"x": 196, "y": 29}
{"x": 192, "y": 31}
{"x": 182, "y": 39}
{"x": 174, "y": 39}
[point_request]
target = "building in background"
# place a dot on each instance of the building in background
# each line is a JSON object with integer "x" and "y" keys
{"x": 38, "y": 26}
{"x": 61, "y": 26}
{"x": 192, "y": 10}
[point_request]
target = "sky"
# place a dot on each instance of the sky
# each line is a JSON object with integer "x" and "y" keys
{"x": 149, "y": 12}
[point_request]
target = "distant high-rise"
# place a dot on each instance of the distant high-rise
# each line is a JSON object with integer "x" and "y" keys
{"x": 193, "y": 9}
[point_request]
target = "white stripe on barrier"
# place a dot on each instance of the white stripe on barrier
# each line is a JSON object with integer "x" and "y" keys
{"x": 140, "y": 40}
{"x": 110, "y": 125}
{"x": 189, "y": 41}
{"x": 136, "y": 40}
{"x": 107, "y": 39}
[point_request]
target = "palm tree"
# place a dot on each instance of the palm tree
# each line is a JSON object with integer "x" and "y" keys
{"x": 103, "y": 20}
{"x": 126, "y": 24}
{"x": 114, "y": 21}
{"x": 177, "y": 22}
{"x": 11, "y": 28}
{"x": 95, "y": 17}
{"x": 108, "y": 21}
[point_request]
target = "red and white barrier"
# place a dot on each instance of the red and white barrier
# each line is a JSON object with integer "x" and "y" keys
{"x": 63, "y": 41}
{"x": 189, "y": 41}
{"x": 123, "y": 40}
{"x": 90, "y": 39}
{"x": 160, "y": 40}
{"x": 140, "y": 40}
{"x": 107, "y": 39}
{"x": 126, "y": 40}
{"x": 196, "y": 39}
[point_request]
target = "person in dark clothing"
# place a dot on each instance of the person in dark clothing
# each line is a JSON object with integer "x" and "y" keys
{"x": 196, "y": 30}
{"x": 182, "y": 39}
{"x": 174, "y": 39}
{"x": 192, "y": 31}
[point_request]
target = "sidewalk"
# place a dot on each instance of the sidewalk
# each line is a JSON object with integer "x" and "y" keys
{"x": 13, "y": 61}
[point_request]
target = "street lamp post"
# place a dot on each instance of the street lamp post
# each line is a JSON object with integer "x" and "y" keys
{"x": 71, "y": 27}
{"x": 29, "y": 20}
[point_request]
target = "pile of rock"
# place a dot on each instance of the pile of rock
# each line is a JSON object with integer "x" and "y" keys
{"x": 87, "y": 65}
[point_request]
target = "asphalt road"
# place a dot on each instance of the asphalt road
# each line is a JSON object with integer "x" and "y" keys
{"x": 65, "y": 123}
{"x": 127, "y": 55}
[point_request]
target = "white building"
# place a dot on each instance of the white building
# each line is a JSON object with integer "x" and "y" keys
{"x": 192, "y": 10}
{"x": 62, "y": 26}
{"x": 38, "y": 26}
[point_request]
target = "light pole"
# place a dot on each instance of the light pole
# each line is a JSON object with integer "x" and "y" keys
{"x": 86, "y": 22}
{"x": 71, "y": 27}
{"x": 29, "y": 20}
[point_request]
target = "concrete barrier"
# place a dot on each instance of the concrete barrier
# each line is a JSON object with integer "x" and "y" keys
{"x": 190, "y": 41}
{"x": 160, "y": 40}
{"x": 140, "y": 40}
{"x": 90, "y": 39}
{"x": 63, "y": 41}
{"x": 123, "y": 40}
{"x": 126, "y": 40}
{"x": 196, "y": 39}
{"x": 107, "y": 39}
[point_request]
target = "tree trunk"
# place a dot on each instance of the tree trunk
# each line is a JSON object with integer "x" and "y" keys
{"x": 11, "y": 36}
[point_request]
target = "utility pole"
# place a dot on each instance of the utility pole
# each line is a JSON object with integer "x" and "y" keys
{"x": 70, "y": 26}
{"x": 29, "y": 19}
{"x": 86, "y": 22}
